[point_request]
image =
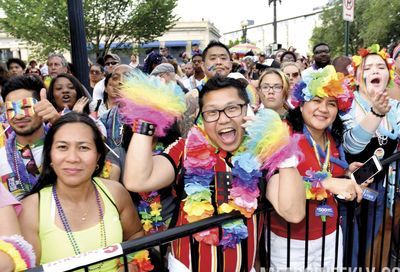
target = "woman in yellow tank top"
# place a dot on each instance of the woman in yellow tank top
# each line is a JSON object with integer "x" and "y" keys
{"x": 69, "y": 211}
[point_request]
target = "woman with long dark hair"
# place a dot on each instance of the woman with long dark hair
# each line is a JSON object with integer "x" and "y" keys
{"x": 70, "y": 206}
{"x": 66, "y": 92}
{"x": 320, "y": 98}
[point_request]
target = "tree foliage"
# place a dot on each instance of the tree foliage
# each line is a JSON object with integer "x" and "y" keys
{"x": 232, "y": 43}
{"x": 374, "y": 22}
{"x": 45, "y": 23}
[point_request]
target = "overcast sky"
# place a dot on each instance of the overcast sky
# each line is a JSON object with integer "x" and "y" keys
{"x": 227, "y": 14}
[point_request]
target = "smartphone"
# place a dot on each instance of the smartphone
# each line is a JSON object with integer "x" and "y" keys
{"x": 370, "y": 168}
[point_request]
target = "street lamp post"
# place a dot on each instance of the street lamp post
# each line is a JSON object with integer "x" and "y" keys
{"x": 244, "y": 24}
{"x": 275, "y": 23}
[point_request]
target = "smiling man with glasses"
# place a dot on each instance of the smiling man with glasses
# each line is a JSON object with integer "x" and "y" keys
{"x": 219, "y": 134}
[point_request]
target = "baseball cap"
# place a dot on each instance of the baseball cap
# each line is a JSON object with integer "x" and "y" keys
{"x": 162, "y": 69}
{"x": 113, "y": 56}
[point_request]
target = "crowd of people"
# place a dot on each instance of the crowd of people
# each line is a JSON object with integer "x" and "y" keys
{"x": 153, "y": 145}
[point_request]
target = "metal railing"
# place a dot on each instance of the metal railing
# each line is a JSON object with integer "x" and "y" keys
{"x": 368, "y": 254}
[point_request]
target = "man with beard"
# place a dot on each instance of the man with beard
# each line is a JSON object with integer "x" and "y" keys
{"x": 216, "y": 61}
{"x": 322, "y": 57}
{"x": 26, "y": 109}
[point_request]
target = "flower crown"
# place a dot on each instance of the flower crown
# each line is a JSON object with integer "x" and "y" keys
{"x": 324, "y": 83}
{"x": 373, "y": 49}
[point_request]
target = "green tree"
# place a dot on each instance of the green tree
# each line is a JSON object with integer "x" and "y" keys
{"x": 45, "y": 23}
{"x": 374, "y": 22}
{"x": 232, "y": 43}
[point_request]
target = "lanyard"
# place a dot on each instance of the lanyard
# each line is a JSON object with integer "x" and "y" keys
{"x": 324, "y": 166}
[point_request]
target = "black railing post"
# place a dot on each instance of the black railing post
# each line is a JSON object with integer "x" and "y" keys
{"x": 78, "y": 41}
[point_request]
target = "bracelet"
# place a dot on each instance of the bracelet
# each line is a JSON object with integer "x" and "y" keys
{"x": 24, "y": 248}
{"x": 143, "y": 127}
{"x": 377, "y": 114}
{"x": 292, "y": 161}
{"x": 9, "y": 249}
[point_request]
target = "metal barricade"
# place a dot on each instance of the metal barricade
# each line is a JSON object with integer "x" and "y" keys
{"x": 372, "y": 253}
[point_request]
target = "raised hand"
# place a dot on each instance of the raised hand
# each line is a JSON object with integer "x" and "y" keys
{"x": 380, "y": 102}
{"x": 45, "y": 109}
{"x": 80, "y": 104}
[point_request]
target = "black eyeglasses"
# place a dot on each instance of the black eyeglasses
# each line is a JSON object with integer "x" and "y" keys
{"x": 230, "y": 111}
{"x": 111, "y": 63}
{"x": 276, "y": 88}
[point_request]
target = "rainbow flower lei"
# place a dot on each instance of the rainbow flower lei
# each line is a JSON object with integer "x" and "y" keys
{"x": 140, "y": 259}
{"x": 373, "y": 49}
{"x": 324, "y": 83}
{"x": 268, "y": 143}
{"x": 313, "y": 186}
{"x": 150, "y": 212}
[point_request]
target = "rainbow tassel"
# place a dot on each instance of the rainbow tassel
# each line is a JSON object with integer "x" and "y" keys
{"x": 149, "y": 99}
{"x": 270, "y": 141}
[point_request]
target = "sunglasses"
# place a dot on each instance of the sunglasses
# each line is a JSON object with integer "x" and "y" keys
{"x": 111, "y": 63}
{"x": 294, "y": 75}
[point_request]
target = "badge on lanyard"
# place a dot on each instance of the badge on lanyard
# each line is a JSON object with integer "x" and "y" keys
{"x": 379, "y": 153}
{"x": 323, "y": 210}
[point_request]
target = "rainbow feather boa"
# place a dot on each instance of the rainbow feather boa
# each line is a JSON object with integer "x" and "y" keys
{"x": 268, "y": 144}
{"x": 149, "y": 99}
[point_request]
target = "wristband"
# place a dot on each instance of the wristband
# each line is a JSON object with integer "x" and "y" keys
{"x": 10, "y": 250}
{"x": 143, "y": 127}
{"x": 292, "y": 161}
{"x": 377, "y": 114}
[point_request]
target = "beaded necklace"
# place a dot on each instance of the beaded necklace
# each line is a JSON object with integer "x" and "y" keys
{"x": 64, "y": 220}
{"x": 16, "y": 162}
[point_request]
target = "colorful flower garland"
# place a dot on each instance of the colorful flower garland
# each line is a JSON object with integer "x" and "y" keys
{"x": 140, "y": 259}
{"x": 149, "y": 210}
{"x": 324, "y": 83}
{"x": 268, "y": 143}
{"x": 312, "y": 183}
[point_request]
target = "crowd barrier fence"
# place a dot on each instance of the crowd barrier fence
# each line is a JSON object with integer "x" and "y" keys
{"x": 375, "y": 253}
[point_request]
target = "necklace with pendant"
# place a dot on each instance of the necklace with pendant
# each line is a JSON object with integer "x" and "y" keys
{"x": 67, "y": 227}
